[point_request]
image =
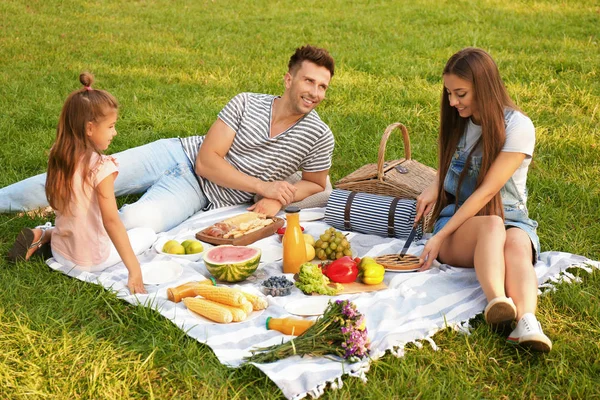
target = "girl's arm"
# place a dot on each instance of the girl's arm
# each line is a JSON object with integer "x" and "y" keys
{"x": 499, "y": 173}
{"x": 117, "y": 233}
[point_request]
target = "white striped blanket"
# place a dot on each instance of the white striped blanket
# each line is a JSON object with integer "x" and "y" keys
{"x": 415, "y": 307}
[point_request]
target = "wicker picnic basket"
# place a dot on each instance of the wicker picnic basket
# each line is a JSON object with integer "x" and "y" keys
{"x": 404, "y": 178}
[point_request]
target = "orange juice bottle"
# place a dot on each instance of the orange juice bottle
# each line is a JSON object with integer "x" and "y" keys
{"x": 294, "y": 249}
{"x": 289, "y": 326}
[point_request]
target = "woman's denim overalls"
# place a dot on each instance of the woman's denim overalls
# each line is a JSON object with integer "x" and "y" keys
{"x": 515, "y": 210}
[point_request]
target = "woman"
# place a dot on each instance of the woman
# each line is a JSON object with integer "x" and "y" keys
{"x": 485, "y": 148}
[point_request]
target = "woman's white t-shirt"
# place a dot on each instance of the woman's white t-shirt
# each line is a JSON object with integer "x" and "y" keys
{"x": 520, "y": 138}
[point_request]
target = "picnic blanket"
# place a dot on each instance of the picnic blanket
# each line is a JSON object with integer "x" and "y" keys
{"x": 413, "y": 309}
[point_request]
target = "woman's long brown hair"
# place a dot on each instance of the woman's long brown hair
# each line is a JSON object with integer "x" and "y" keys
{"x": 490, "y": 95}
{"x": 72, "y": 148}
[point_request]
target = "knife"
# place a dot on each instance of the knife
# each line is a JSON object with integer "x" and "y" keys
{"x": 410, "y": 239}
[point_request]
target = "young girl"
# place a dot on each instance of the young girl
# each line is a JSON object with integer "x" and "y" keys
{"x": 80, "y": 188}
{"x": 485, "y": 148}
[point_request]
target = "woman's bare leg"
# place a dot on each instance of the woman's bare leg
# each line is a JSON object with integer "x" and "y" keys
{"x": 521, "y": 280}
{"x": 479, "y": 243}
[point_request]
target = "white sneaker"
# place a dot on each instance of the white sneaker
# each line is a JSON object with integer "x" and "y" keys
{"x": 500, "y": 311}
{"x": 528, "y": 333}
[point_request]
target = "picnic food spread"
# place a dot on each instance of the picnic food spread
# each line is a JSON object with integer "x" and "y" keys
{"x": 234, "y": 263}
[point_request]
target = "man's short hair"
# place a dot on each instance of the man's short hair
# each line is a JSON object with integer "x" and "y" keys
{"x": 316, "y": 55}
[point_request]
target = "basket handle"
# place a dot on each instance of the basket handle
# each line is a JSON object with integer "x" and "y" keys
{"x": 382, "y": 144}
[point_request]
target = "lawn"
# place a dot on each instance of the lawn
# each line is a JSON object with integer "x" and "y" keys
{"x": 174, "y": 64}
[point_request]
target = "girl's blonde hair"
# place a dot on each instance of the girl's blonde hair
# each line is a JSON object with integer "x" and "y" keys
{"x": 73, "y": 148}
{"x": 476, "y": 66}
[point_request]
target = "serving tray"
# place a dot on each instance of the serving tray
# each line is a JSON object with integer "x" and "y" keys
{"x": 245, "y": 239}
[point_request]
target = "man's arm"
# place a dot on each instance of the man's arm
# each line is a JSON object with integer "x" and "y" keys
{"x": 311, "y": 183}
{"x": 211, "y": 164}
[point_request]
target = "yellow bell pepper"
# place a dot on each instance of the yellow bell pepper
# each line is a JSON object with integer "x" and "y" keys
{"x": 372, "y": 273}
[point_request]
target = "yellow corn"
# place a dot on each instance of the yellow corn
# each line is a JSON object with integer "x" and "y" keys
{"x": 186, "y": 290}
{"x": 208, "y": 309}
{"x": 247, "y": 307}
{"x": 238, "y": 313}
{"x": 258, "y": 303}
{"x": 220, "y": 294}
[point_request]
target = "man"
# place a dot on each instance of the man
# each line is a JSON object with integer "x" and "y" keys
{"x": 256, "y": 142}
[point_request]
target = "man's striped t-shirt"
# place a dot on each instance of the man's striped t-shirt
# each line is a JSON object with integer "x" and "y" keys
{"x": 307, "y": 146}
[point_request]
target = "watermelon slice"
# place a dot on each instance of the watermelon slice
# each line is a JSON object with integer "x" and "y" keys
{"x": 232, "y": 263}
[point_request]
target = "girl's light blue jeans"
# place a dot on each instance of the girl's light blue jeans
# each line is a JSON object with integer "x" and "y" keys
{"x": 160, "y": 170}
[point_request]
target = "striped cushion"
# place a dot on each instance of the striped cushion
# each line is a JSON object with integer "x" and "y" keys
{"x": 370, "y": 214}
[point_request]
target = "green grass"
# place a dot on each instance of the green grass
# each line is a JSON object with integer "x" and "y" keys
{"x": 174, "y": 64}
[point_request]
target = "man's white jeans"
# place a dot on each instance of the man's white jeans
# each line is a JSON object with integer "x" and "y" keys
{"x": 160, "y": 170}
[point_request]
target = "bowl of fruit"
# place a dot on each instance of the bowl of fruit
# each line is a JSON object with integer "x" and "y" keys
{"x": 277, "y": 286}
{"x": 185, "y": 247}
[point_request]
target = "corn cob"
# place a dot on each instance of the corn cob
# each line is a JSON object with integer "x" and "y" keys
{"x": 211, "y": 310}
{"x": 247, "y": 307}
{"x": 188, "y": 289}
{"x": 258, "y": 303}
{"x": 224, "y": 295}
{"x": 238, "y": 313}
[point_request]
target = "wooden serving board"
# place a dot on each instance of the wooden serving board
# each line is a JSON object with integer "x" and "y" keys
{"x": 353, "y": 287}
{"x": 244, "y": 239}
{"x": 359, "y": 287}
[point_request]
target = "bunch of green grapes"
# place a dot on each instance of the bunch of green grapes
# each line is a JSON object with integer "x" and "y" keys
{"x": 332, "y": 245}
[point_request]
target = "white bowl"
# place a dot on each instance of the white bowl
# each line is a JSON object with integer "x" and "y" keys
{"x": 158, "y": 245}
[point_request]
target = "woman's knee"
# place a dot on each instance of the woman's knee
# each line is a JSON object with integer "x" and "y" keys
{"x": 491, "y": 225}
{"x": 517, "y": 246}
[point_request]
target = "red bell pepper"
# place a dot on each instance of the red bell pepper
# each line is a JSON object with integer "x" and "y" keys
{"x": 342, "y": 270}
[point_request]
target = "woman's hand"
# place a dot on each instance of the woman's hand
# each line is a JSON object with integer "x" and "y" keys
{"x": 426, "y": 200}
{"x": 135, "y": 284}
{"x": 430, "y": 252}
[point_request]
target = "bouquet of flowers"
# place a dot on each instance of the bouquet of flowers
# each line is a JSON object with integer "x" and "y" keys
{"x": 341, "y": 331}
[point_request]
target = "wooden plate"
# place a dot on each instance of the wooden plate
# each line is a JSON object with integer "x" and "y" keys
{"x": 393, "y": 263}
{"x": 244, "y": 239}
